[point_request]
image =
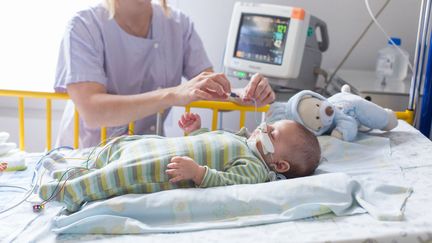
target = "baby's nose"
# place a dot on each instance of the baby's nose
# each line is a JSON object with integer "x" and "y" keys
{"x": 329, "y": 111}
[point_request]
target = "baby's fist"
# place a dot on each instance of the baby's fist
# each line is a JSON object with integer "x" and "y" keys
{"x": 189, "y": 122}
{"x": 3, "y": 166}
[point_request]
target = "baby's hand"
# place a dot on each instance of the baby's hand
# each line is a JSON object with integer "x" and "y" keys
{"x": 3, "y": 166}
{"x": 190, "y": 122}
{"x": 184, "y": 168}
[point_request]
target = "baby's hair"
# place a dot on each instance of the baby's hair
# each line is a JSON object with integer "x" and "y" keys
{"x": 307, "y": 154}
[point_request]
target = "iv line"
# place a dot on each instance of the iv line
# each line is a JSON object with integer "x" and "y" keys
{"x": 355, "y": 45}
{"x": 385, "y": 33}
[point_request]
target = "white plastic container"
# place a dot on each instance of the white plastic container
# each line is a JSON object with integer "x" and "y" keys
{"x": 392, "y": 62}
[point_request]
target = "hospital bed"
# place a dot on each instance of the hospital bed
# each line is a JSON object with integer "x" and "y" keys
{"x": 402, "y": 155}
{"x": 392, "y": 214}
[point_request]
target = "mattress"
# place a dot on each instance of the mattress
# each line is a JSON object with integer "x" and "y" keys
{"x": 409, "y": 162}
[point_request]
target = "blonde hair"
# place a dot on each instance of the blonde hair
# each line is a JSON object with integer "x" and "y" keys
{"x": 110, "y": 5}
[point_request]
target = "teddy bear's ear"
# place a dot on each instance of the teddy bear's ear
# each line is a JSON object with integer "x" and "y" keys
{"x": 346, "y": 88}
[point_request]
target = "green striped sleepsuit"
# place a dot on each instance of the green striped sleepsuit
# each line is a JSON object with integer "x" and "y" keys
{"x": 137, "y": 164}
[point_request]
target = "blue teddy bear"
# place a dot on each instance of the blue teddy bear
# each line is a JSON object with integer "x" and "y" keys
{"x": 341, "y": 115}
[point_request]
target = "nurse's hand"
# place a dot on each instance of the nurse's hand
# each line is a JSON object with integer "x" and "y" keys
{"x": 258, "y": 89}
{"x": 205, "y": 86}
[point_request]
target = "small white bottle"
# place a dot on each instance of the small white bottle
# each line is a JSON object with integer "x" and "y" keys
{"x": 392, "y": 62}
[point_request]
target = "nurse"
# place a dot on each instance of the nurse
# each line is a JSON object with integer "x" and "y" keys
{"x": 123, "y": 60}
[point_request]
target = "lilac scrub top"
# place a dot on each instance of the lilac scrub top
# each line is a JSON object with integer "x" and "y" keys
{"x": 95, "y": 48}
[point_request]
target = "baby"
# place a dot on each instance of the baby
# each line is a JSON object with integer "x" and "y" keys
{"x": 149, "y": 163}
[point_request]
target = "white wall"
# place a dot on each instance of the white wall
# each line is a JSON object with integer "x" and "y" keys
{"x": 34, "y": 36}
{"x": 29, "y": 41}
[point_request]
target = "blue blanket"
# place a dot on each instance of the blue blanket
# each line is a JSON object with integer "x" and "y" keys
{"x": 236, "y": 206}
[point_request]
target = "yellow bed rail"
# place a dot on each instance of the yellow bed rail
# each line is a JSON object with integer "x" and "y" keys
{"x": 407, "y": 115}
{"x": 215, "y": 106}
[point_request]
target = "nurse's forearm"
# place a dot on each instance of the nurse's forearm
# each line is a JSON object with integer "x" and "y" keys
{"x": 115, "y": 110}
{"x": 98, "y": 108}
{"x": 101, "y": 109}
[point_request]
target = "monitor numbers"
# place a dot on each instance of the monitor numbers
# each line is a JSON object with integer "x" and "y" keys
{"x": 281, "y": 28}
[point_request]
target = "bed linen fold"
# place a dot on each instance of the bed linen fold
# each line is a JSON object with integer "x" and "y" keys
{"x": 195, "y": 209}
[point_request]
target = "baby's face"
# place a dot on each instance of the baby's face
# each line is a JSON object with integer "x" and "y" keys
{"x": 282, "y": 135}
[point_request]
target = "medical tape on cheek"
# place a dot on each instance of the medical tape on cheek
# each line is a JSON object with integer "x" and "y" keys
{"x": 267, "y": 145}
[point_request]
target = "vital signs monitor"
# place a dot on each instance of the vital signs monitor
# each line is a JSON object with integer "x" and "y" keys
{"x": 276, "y": 41}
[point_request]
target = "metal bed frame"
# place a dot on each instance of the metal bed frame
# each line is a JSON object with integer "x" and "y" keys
{"x": 423, "y": 69}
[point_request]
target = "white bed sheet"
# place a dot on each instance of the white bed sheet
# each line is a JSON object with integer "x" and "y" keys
{"x": 411, "y": 155}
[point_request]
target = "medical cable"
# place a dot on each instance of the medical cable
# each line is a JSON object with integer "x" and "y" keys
{"x": 56, "y": 191}
{"x": 355, "y": 44}
{"x": 33, "y": 185}
{"x": 27, "y": 195}
{"x": 233, "y": 95}
{"x": 257, "y": 122}
{"x": 384, "y": 32}
{"x": 24, "y": 199}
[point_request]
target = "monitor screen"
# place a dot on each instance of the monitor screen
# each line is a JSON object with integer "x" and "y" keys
{"x": 262, "y": 38}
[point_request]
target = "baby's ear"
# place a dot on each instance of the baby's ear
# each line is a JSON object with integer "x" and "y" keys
{"x": 282, "y": 166}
